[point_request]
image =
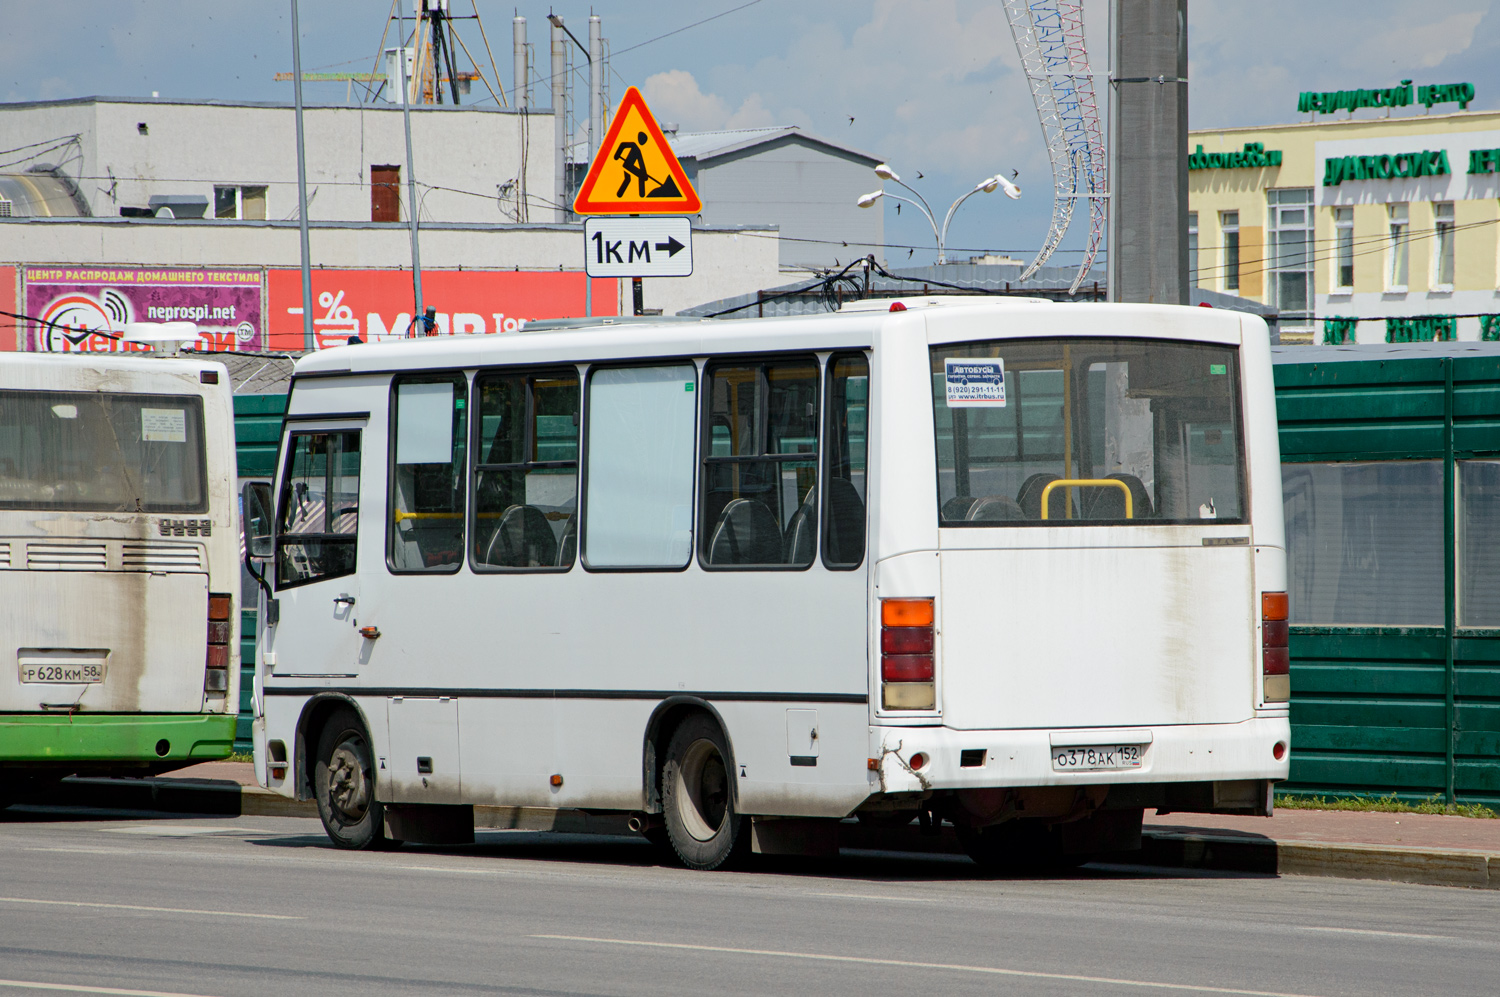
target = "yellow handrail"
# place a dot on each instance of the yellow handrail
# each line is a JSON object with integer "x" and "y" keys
{"x": 1089, "y": 483}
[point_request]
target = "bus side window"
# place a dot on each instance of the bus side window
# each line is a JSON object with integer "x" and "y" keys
{"x": 526, "y": 471}
{"x": 318, "y": 513}
{"x": 760, "y": 464}
{"x": 845, "y": 440}
{"x": 425, "y": 529}
{"x": 638, "y": 496}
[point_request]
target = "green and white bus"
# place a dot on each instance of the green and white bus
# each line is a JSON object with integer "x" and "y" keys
{"x": 119, "y": 564}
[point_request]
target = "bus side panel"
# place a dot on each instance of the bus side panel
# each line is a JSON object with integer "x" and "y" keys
{"x": 1262, "y": 442}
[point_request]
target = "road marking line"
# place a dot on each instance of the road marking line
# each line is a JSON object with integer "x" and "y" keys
{"x": 871, "y": 896}
{"x": 179, "y": 830}
{"x": 81, "y": 989}
{"x": 910, "y": 964}
{"x": 159, "y": 910}
{"x": 1378, "y": 934}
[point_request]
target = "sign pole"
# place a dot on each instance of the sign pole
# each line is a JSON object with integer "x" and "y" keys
{"x": 411, "y": 176}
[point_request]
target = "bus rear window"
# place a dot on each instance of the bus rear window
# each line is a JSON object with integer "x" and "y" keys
{"x": 99, "y": 452}
{"x": 1087, "y": 432}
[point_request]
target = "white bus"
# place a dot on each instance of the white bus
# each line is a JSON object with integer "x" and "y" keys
{"x": 1014, "y": 566}
{"x": 119, "y": 564}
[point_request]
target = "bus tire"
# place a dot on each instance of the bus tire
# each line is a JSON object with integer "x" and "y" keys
{"x": 344, "y": 784}
{"x": 698, "y": 799}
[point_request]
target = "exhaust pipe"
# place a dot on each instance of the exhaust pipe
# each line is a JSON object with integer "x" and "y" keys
{"x": 640, "y": 823}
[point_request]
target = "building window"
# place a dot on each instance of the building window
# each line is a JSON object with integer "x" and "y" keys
{"x": 240, "y": 202}
{"x": 1400, "y": 251}
{"x": 385, "y": 193}
{"x": 1192, "y": 247}
{"x": 1229, "y": 223}
{"x": 1291, "y": 239}
{"x": 1442, "y": 260}
{"x": 1343, "y": 228}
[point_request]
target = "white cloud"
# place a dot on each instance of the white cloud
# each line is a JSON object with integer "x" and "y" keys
{"x": 675, "y": 96}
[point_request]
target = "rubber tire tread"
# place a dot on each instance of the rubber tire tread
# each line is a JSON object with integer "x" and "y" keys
{"x": 369, "y": 832}
{"x": 731, "y": 844}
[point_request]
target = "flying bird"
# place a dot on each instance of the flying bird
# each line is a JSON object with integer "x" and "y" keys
{"x": 919, "y": 174}
{"x": 909, "y": 252}
{"x": 851, "y": 119}
{"x": 1014, "y": 174}
{"x": 898, "y": 207}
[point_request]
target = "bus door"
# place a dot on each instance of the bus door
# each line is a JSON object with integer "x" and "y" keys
{"x": 317, "y": 533}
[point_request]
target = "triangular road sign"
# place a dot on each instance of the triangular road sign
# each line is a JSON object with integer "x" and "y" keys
{"x": 635, "y": 172}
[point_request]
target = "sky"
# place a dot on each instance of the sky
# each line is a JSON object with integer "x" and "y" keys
{"x": 932, "y": 86}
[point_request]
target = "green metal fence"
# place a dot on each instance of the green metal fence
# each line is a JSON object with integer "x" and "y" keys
{"x": 257, "y": 431}
{"x": 1390, "y": 707}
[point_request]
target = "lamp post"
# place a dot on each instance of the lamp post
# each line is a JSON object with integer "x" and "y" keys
{"x": 988, "y": 186}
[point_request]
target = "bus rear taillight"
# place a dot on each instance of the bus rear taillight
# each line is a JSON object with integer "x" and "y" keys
{"x": 1275, "y": 662}
{"x": 216, "y": 672}
{"x": 906, "y": 654}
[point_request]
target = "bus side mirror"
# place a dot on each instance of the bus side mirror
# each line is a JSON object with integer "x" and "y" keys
{"x": 256, "y": 505}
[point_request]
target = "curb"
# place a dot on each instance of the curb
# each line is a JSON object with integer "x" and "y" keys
{"x": 1230, "y": 853}
{"x": 1159, "y": 849}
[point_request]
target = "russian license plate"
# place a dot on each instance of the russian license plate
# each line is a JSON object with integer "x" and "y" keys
{"x": 1098, "y": 757}
{"x": 62, "y": 673}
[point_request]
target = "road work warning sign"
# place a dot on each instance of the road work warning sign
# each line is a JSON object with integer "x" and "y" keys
{"x": 635, "y": 171}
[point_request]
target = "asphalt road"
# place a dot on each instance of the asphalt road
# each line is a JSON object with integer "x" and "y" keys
{"x": 257, "y": 906}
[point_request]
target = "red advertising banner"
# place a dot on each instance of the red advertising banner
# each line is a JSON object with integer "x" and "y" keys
{"x": 70, "y": 305}
{"x": 376, "y": 305}
{"x": 10, "y": 326}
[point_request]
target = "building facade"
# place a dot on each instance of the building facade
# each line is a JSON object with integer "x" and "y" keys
{"x": 1358, "y": 229}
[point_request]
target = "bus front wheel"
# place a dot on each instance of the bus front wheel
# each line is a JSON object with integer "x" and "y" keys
{"x": 344, "y": 783}
{"x": 698, "y": 798}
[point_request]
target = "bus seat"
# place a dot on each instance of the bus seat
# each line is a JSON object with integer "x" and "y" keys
{"x": 846, "y": 522}
{"x": 567, "y": 549}
{"x": 1108, "y": 503}
{"x": 800, "y": 542}
{"x": 1029, "y": 498}
{"x": 746, "y": 533}
{"x": 957, "y": 508}
{"x": 994, "y": 508}
{"x": 524, "y": 539}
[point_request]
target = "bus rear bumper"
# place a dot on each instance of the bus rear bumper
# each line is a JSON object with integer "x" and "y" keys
{"x": 983, "y": 759}
{"x": 160, "y": 741}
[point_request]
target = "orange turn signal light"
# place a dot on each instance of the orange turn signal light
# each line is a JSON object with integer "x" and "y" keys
{"x": 1273, "y": 606}
{"x": 557, "y": 782}
{"x": 906, "y": 612}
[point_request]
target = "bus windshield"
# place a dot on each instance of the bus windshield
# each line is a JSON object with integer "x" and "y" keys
{"x": 98, "y": 452}
{"x": 1087, "y": 431}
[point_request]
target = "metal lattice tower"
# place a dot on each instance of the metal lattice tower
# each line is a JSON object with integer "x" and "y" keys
{"x": 1093, "y": 161}
{"x": 1049, "y": 38}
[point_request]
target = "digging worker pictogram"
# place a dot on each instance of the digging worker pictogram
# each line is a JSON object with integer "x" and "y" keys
{"x": 634, "y": 165}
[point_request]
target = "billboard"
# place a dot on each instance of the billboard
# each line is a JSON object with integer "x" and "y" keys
{"x": 69, "y": 306}
{"x": 10, "y": 325}
{"x": 376, "y": 305}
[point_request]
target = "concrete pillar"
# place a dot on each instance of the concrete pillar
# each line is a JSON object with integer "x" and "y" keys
{"x": 596, "y": 84}
{"x": 1148, "y": 152}
{"x": 521, "y": 88}
{"x": 560, "y": 121}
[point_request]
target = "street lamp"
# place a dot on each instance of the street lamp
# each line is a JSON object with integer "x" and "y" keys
{"x": 988, "y": 186}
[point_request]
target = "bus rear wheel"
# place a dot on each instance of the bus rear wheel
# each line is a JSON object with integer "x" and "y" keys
{"x": 344, "y": 783}
{"x": 698, "y": 797}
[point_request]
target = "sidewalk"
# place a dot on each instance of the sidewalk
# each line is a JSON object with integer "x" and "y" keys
{"x": 1407, "y": 848}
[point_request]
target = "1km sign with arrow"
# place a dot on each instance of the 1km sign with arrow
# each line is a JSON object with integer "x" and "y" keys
{"x": 638, "y": 247}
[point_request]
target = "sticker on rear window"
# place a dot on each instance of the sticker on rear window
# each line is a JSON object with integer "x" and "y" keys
{"x": 974, "y": 382}
{"x": 163, "y": 425}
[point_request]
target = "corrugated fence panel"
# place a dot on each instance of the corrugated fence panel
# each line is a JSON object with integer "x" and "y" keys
{"x": 1368, "y": 710}
{"x": 1378, "y": 409}
{"x": 257, "y": 433}
{"x": 1370, "y": 704}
